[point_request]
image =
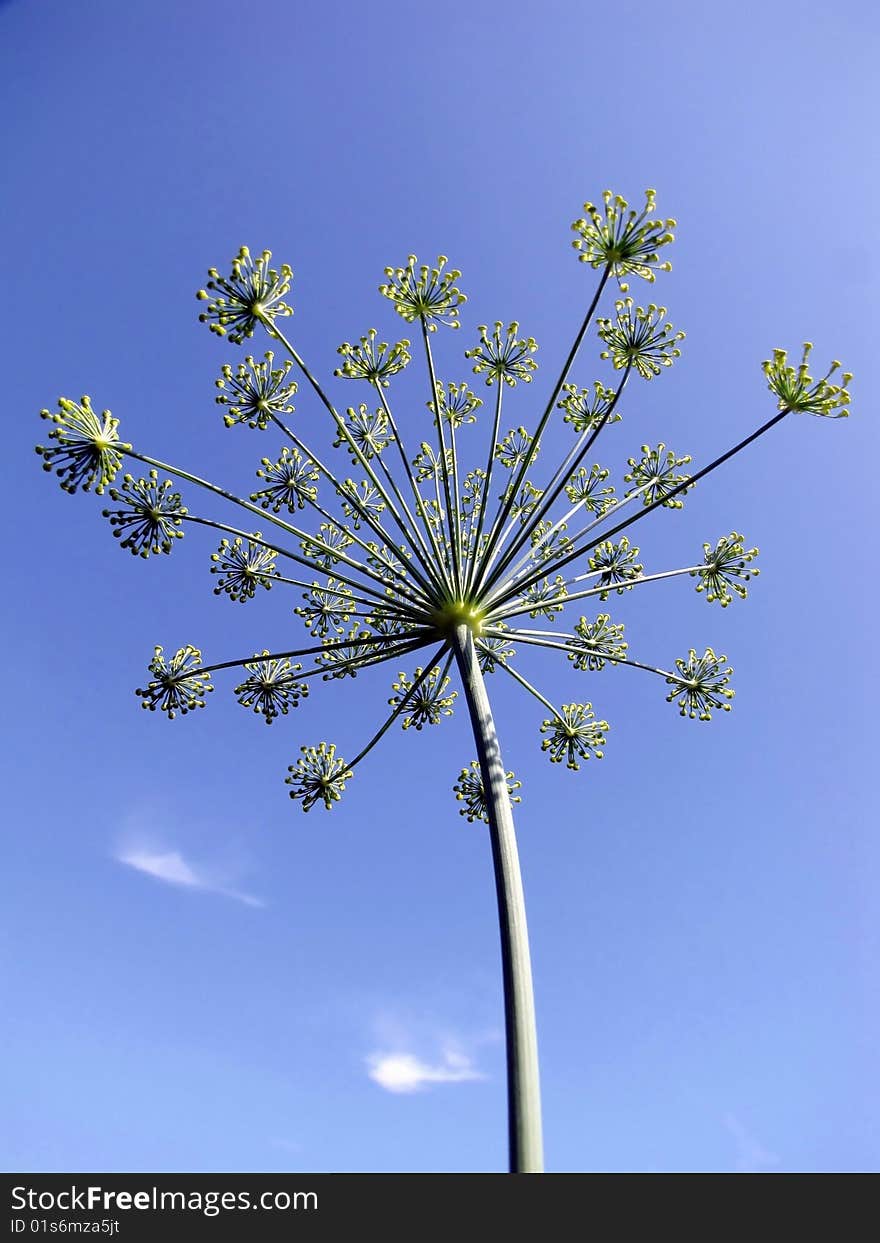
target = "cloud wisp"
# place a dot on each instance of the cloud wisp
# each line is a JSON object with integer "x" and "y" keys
{"x": 170, "y": 867}
{"x": 405, "y": 1073}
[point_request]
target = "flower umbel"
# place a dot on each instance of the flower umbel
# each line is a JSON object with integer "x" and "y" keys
{"x": 432, "y": 295}
{"x": 271, "y": 687}
{"x": 596, "y": 642}
{"x": 655, "y": 476}
{"x": 725, "y": 569}
{"x": 257, "y": 391}
{"x": 624, "y": 240}
{"x": 179, "y": 686}
{"x": 586, "y": 409}
{"x": 86, "y": 449}
{"x": 290, "y": 482}
{"x": 507, "y": 357}
{"x": 250, "y": 295}
{"x": 318, "y": 776}
{"x": 457, "y": 404}
{"x": 469, "y": 790}
{"x": 428, "y": 703}
{"x": 574, "y": 735}
{"x": 369, "y": 361}
{"x": 640, "y": 337}
{"x": 617, "y": 563}
{"x": 151, "y": 517}
{"x": 798, "y": 391}
{"x": 700, "y": 685}
{"x": 242, "y": 568}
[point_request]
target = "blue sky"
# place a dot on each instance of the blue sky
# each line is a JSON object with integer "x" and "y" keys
{"x": 200, "y": 977}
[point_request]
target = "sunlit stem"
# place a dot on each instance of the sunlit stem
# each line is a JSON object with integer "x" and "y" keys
{"x": 275, "y": 331}
{"x": 411, "y": 645}
{"x": 523, "y": 1088}
{"x": 595, "y": 591}
{"x": 571, "y": 462}
{"x": 647, "y": 509}
{"x": 371, "y": 641}
{"x": 475, "y": 569}
{"x": 454, "y": 550}
{"x": 528, "y": 686}
{"x": 426, "y": 672}
{"x": 526, "y": 636}
{"x": 516, "y": 483}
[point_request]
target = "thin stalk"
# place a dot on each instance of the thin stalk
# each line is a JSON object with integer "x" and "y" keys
{"x": 426, "y": 672}
{"x": 523, "y": 1087}
{"x": 548, "y": 497}
{"x": 262, "y": 514}
{"x": 455, "y": 550}
{"x": 292, "y": 556}
{"x": 525, "y": 636}
{"x": 496, "y": 425}
{"x": 420, "y": 504}
{"x": 551, "y": 405}
{"x": 276, "y": 332}
{"x": 596, "y": 591}
{"x": 407, "y": 643}
{"x": 682, "y": 487}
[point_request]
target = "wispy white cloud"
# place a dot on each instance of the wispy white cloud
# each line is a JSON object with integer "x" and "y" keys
{"x": 752, "y": 1156}
{"x": 404, "y": 1072}
{"x": 171, "y": 867}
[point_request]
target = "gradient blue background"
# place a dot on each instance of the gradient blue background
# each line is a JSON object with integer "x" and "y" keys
{"x": 703, "y": 902}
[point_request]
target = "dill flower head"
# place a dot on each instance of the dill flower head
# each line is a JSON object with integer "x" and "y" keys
{"x": 250, "y": 295}
{"x": 622, "y": 239}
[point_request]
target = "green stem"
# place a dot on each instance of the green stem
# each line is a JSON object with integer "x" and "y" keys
{"x": 523, "y": 1088}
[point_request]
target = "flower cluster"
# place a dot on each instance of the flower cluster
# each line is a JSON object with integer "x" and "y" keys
{"x": 290, "y": 482}
{"x": 177, "y": 686}
{"x": 625, "y": 241}
{"x": 422, "y": 548}
{"x": 574, "y": 735}
{"x": 258, "y": 392}
{"x": 87, "y": 450}
{"x": 656, "y": 477}
{"x": 318, "y": 776}
{"x": 504, "y": 357}
{"x": 427, "y": 703}
{"x": 242, "y": 568}
{"x": 799, "y": 392}
{"x": 469, "y": 789}
{"x": 700, "y": 685}
{"x": 596, "y": 642}
{"x": 150, "y": 519}
{"x": 589, "y": 409}
{"x": 640, "y": 337}
{"x": 251, "y": 295}
{"x": 271, "y": 687}
{"x": 724, "y": 569}
{"x": 431, "y": 296}
{"x": 369, "y": 361}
